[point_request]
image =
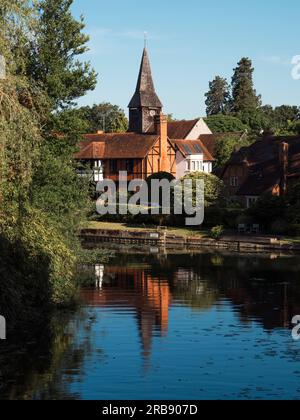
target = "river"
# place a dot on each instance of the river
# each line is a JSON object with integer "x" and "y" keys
{"x": 155, "y": 326}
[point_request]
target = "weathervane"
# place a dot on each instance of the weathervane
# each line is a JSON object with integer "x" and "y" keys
{"x": 145, "y": 39}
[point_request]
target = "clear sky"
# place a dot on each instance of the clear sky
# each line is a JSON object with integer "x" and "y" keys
{"x": 190, "y": 42}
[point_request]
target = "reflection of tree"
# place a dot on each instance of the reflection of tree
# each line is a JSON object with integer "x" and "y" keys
{"x": 191, "y": 290}
{"x": 35, "y": 370}
{"x": 264, "y": 288}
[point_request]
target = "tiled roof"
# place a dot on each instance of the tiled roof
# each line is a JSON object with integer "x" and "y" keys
{"x": 116, "y": 146}
{"x": 145, "y": 95}
{"x": 180, "y": 129}
{"x": 265, "y": 149}
{"x": 192, "y": 147}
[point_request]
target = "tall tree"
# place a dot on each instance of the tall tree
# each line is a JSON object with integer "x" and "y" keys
{"x": 218, "y": 96}
{"x": 244, "y": 96}
{"x": 59, "y": 41}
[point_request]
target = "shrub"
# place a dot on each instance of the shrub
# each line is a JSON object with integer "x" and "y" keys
{"x": 216, "y": 232}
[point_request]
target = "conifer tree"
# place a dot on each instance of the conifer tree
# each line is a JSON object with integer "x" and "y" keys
{"x": 244, "y": 96}
{"x": 217, "y": 98}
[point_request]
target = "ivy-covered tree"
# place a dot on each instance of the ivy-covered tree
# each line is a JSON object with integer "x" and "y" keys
{"x": 218, "y": 96}
{"x": 244, "y": 95}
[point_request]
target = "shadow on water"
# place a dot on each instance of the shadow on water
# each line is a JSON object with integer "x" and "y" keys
{"x": 141, "y": 313}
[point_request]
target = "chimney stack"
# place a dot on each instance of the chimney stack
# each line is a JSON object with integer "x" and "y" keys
{"x": 284, "y": 166}
{"x": 161, "y": 129}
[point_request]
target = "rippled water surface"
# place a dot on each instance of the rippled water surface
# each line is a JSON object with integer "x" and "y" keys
{"x": 203, "y": 326}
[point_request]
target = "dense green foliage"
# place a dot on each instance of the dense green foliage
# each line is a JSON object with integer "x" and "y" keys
{"x": 104, "y": 117}
{"x": 240, "y": 103}
{"x": 214, "y": 188}
{"x": 58, "y": 42}
{"x": 279, "y": 215}
{"x": 42, "y": 201}
{"x": 225, "y": 124}
{"x": 226, "y": 145}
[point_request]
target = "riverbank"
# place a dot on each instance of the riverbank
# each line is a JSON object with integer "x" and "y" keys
{"x": 181, "y": 238}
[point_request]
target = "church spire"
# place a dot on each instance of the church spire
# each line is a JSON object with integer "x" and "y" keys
{"x": 145, "y": 103}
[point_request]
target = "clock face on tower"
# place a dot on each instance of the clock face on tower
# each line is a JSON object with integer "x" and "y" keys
{"x": 152, "y": 113}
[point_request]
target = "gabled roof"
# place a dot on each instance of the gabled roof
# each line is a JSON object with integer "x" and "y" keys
{"x": 181, "y": 129}
{"x": 265, "y": 149}
{"x": 116, "y": 146}
{"x": 262, "y": 160}
{"x": 211, "y": 140}
{"x": 145, "y": 95}
{"x": 192, "y": 147}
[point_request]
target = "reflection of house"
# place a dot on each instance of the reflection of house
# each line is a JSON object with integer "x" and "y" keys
{"x": 136, "y": 289}
{"x": 152, "y": 144}
{"x": 198, "y": 282}
{"x": 268, "y": 165}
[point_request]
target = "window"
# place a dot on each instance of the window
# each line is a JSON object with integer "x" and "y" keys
{"x": 187, "y": 149}
{"x": 130, "y": 166}
{"x": 234, "y": 181}
{"x": 198, "y": 148}
{"x": 113, "y": 166}
{"x": 193, "y": 166}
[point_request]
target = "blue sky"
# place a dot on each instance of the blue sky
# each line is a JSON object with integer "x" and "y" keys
{"x": 190, "y": 42}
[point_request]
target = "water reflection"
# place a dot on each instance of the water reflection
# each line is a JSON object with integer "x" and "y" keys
{"x": 177, "y": 326}
{"x": 261, "y": 289}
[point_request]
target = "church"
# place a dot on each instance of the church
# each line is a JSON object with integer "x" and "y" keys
{"x": 152, "y": 144}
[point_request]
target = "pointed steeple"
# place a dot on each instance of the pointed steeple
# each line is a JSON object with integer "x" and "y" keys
{"x": 145, "y": 103}
{"x": 145, "y": 95}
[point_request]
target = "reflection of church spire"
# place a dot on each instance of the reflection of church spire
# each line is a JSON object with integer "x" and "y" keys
{"x": 154, "y": 312}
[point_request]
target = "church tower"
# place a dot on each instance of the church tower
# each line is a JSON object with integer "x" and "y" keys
{"x": 145, "y": 104}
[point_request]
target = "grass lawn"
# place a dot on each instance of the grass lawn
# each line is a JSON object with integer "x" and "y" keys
{"x": 184, "y": 232}
{"x": 295, "y": 241}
